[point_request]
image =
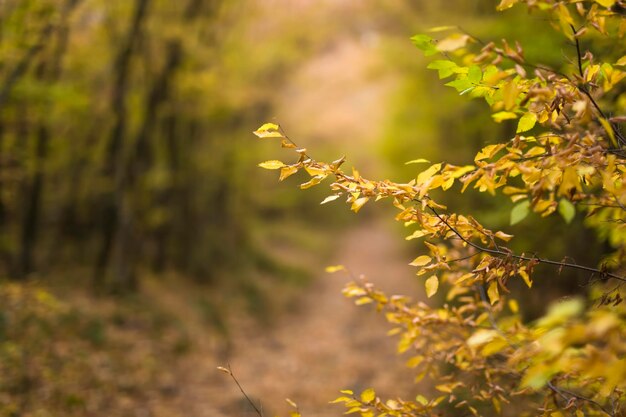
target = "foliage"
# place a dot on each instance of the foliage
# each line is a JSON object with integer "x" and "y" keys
{"x": 567, "y": 157}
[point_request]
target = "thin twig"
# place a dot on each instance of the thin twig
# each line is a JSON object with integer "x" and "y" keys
{"x": 586, "y": 92}
{"x": 525, "y": 258}
{"x": 563, "y": 391}
{"x": 229, "y": 371}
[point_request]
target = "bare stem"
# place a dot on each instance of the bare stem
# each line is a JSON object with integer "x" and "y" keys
{"x": 229, "y": 371}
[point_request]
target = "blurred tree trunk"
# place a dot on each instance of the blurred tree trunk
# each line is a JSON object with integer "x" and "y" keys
{"x": 159, "y": 94}
{"x": 116, "y": 224}
{"x": 48, "y": 72}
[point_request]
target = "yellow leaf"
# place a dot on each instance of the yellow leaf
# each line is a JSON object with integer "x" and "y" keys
{"x": 570, "y": 181}
{"x": 488, "y": 152}
{"x": 609, "y": 130}
{"x": 510, "y": 92}
{"x": 272, "y": 164}
{"x": 526, "y": 122}
{"x": 432, "y": 284}
{"x": 493, "y": 293}
{"x": 268, "y": 126}
{"x": 452, "y": 42}
{"x": 421, "y": 399}
{"x": 363, "y": 300}
{"x": 291, "y": 403}
{"x": 503, "y": 115}
{"x": 330, "y": 198}
{"x": 504, "y": 236}
{"x": 441, "y": 28}
{"x": 287, "y": 171}
{"x": 268, "y": 130}
{"x": 421, "y": 260}
{"x": 428, "y": 173}
{"x": 417, "y": 161}
{"x": 535, "y": 151}
{"x": 416, "y": 234}
{"x": 360, "y": 202}
{"x": 449, "y": 387}
{"x": 496, "y": 405}
{"x": 605, "y": 3}
{"x": 368, "y": 395}
{"x": 522, "y": 272}
{"x": 506, "y": 4}
{"x": 481, "y": 337}
{"x": 335, "y": 268}
{"x": 315, "y": 171}
{"x": 313, "y": 181}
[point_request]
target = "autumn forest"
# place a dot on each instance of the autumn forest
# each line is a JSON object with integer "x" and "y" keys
{"x": 311, "y": 208}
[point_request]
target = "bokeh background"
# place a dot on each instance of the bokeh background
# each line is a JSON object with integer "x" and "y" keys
{"x": 141, "y": 246}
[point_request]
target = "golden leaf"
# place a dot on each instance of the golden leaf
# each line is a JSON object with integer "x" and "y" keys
{"x": 335, "y": 268}
{"x": 421, "y": 260}
{"x": 453, "y": 42}
{"x": 368, "y": 395}
{"x": 432, "y": 284}
{"x": 493, "y": 293}
{"x": 272, "y": 164}
{"x": 330, "y": 198}
{"x": 287, "y": 171}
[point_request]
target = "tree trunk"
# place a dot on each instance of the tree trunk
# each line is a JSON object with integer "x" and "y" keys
{"x": 49, "y": 73}
{"x": 115, "y": 221}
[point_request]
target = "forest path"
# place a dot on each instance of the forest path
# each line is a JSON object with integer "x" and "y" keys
{"x": 336, "y": 99}
{"x": 308, "y": 355}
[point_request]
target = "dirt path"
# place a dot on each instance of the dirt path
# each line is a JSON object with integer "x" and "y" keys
{"x": 327, "y": 345}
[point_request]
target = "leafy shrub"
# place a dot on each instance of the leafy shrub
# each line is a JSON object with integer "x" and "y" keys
{"x": 568, "y": 156}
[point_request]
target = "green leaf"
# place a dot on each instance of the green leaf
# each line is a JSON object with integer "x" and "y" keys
{"x": 445, "y": 68}
{"x": 519, "y": 212}
{"x": 526, "y": 122}
{"x": 474, "y": 74}
{"x": 567, "y": 210}
{"x": 425, "y": 43}
{"x": 460, "y": 84}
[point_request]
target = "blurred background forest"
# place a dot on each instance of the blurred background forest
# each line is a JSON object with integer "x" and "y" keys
{"x": 141, "y": 246}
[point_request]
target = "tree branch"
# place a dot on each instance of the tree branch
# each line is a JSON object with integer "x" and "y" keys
{"x": 562, "y": 392}
{"x": 499, "y": 252}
